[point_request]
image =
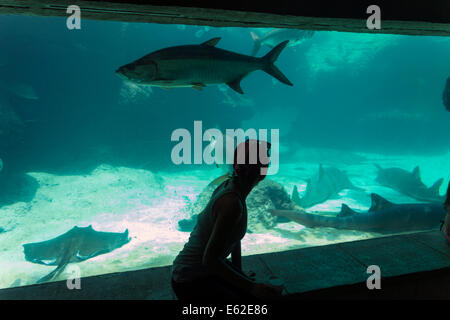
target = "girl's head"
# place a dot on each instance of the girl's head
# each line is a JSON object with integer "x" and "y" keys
{"x": 251, "y": 160}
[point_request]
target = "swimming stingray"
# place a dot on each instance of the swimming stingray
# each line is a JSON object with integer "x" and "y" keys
{"x": 76, "y": 245}
{"x": 409, "y": 183}
{"x": 322, "y": 186}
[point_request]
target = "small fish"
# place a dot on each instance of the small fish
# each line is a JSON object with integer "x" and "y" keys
{"x": 276, "y": 36}
{"x": 24, "y": 90}
{"x": 197, "y": 66}
{"x": 446, "y": 95}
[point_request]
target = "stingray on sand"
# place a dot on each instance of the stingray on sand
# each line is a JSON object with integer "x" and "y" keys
{"x": 76, "y": 245}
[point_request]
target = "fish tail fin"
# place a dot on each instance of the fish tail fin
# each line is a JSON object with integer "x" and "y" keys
{"x": 256, "y": 43}
{"x": 269, "y": 60}
{"x": 436, "y": 186}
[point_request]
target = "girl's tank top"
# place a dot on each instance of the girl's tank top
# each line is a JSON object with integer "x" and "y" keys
{"x": 187, "y": 266}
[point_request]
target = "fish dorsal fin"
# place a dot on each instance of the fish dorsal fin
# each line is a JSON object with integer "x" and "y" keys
{"x": 295, "y": 197}
{"x": 416, "y": 173}
{"x": 211, "y": 42}
{"x": 321, "y": 172}
{"x": 236, "y": 85}
{"x": 435, "y": 188}
{"x": 379, "y": 203}
{"x": 345, "y": 211}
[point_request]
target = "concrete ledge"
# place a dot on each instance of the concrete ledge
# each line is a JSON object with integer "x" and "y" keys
{"x": 412, "y": 266}
{"x": 148, "y": 284}
{"x": 413, "y": 17}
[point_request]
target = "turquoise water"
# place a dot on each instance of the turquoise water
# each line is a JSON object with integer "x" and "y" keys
{"x": 81, "y": 146}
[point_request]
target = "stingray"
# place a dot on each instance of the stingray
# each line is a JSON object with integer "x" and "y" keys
{"x": 76, "y": 245}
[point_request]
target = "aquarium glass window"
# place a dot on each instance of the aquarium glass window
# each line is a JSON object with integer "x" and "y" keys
{"x": 107, "y": 157}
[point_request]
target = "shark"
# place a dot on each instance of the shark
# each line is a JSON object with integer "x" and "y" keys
{"x": 382, "y": 217}
{"x": 276, "y": 36}
{"x": 409, "y": 184}
{"x": 76, "y": 245}
{"x": 322, "y": 186}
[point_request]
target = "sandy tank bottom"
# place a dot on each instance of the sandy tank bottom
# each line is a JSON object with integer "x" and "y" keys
{"x": 150, "y": 205}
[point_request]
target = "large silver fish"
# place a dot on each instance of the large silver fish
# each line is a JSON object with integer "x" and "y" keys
{"x": 276, "y": 36}
{"x": 197, "y": 66}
